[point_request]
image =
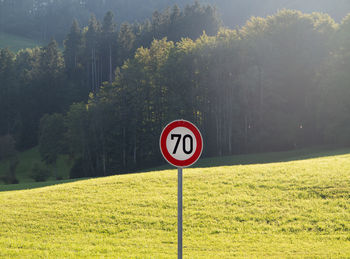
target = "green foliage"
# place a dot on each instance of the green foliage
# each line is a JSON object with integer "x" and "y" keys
{"x": 43, "y": 80}
{"x": 32, "y": 84}
{"x": 293, "y": 209}
{"x": 43, "y": 19}
{"x": 8, "y": 154}
{"x": 39, "y": 173}
{"x": 73, "y": 47}
{"x": 51, "y": 137}
{"x": 10, "y": 176}
{"x": 126, "y": 41}
{"x": 78, "y": 169}
{"x": 335, "y": 85}
{"x": 27, "y": 159}
{"x": 7, "y": 147}
{"x": 248, "y": 90}
{"x": 277, "y": 83}
{"x": 8, "y": 91}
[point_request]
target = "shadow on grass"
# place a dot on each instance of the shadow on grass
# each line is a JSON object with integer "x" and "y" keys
{"x": 259, "y": 158}
{"x": 34, "y": 185}
{"x": 273, "y": 157}
{"x": 263, "y": 158}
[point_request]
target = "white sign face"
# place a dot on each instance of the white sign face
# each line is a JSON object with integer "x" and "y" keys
{"x": 181, "y": 143}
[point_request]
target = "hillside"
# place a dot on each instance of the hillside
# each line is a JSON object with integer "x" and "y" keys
{"x": 15, "y": 43}
{"x": 297, "y": 209}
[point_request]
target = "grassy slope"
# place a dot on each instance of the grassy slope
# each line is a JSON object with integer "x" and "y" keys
{"x": 27, "y": 160}
{"x": 30, "y": 157}
{"x": 16, "y": 43}
{"x": 291, "y": 209}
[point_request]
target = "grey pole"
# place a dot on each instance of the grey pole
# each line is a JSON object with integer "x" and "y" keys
{"x": 179, "y": 213}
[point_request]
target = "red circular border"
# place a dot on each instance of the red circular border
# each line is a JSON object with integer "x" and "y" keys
{"x": 171, "y": 160}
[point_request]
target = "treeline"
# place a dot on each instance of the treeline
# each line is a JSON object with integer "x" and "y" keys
{"x": 43, "y": 19}
{"x": 39, "y": 81}
{"x": 277, "y": 83}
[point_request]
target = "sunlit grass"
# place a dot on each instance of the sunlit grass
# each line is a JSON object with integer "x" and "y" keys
{"x": 291, "y": 209}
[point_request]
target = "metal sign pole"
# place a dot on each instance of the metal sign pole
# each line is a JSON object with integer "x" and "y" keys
{"x": 179, "y": 213}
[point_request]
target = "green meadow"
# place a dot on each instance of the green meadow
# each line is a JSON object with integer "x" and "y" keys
{"x": 27, "y": 159}
{"x": 297, "y": 208}
{"x": 16, "y": 43}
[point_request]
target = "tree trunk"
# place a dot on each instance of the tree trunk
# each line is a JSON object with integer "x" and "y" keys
{"x": 245, "y": 133}
{"x": 92, "y": 71}
{"x": 110, "y": 64}
{"x": 261, "y": 107}
{"x": 135, "y": 149}
{"x": 55, "y": 170}
{"x": 124, "y": 148}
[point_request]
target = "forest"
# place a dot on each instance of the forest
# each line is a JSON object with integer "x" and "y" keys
{"x": 43, "y": 19}
{"x": 275, "y": 83}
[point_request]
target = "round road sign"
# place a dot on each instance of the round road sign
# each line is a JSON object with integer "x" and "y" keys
{"x": 181, "y": 143}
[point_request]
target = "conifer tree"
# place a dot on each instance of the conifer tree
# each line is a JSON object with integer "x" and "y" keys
{"x": 73, "y": 47}
{"x": 92, "y": 61}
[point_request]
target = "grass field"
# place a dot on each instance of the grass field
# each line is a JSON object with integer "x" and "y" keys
{"x": 285, "y": 209}
{"x": 16, "y": 43}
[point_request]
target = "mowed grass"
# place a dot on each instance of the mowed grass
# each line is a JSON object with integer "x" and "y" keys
{"x": 281, "y": 210}
{"x": 15, "y": 43}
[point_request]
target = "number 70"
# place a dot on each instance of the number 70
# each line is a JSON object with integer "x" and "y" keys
{"x": 185, "y": 139}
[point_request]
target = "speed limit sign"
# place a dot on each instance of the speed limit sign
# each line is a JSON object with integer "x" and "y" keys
{"x": 181, "y": 143}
